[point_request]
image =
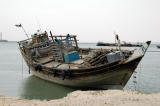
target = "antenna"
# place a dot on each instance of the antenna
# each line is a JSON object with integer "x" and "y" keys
{"x": 20, "y": 25}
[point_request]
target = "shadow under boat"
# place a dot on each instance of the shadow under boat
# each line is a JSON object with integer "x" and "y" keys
{"x": 35, "y": 88}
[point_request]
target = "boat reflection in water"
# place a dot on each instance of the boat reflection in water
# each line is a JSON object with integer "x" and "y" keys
{"x": 36, "y": 88}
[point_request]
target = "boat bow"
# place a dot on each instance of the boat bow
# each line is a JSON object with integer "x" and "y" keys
{"x": 140, "y": 52}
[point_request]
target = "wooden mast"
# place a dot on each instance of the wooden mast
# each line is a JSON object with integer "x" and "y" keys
{"x": 51, "y": 36}
{"x": 75, "y": 42}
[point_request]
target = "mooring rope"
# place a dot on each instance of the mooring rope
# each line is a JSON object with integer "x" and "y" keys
{"x": 140, "y": 72}
{"x": 22, "y": 67}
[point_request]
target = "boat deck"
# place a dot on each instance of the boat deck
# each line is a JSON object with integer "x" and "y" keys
{"x": 45, "y": 59}
{"x": 48, "y": 62}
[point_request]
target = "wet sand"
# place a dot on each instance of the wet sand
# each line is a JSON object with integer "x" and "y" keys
{"x": 90, "y": 98}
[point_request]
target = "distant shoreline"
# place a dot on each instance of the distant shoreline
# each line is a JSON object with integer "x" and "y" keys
{"x": 7, "y": 41}
{"x": 154, "y": 43}
{"x": 91, "y": 98}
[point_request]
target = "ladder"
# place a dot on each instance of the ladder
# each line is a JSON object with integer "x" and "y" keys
{"x": 57, "y": 52}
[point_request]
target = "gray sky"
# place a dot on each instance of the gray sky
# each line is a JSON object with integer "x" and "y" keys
{"x": 90, "y": 20}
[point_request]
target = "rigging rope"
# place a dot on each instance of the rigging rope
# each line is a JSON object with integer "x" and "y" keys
{"x": 140, "y": 70}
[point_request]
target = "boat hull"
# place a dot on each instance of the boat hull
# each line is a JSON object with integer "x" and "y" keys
{"x": 158, "y": 46}
{"x": 114, "y": 44}
{"x": 116, "y": 78}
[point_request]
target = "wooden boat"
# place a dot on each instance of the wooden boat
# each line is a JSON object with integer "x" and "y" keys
{"x": 158, "y": 46}
{"x": 114, "y": 44}
{"x": 59, "y": 59}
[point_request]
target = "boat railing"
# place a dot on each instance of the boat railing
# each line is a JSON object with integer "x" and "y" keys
{"x": 71, "y": 41}
{"x": 26, "y": 44}
{"x": 44, "y": 48}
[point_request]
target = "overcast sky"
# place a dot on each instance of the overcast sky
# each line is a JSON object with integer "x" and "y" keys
{"x": 90, "y": 20}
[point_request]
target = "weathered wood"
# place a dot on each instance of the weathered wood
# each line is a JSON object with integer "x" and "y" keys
{"x": 75, "y": 42}
{"x": 97, "y": 70}
{"x": 51, "y": 36}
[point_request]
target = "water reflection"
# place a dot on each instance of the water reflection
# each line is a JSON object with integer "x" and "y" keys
{"x": 36, "y": 88}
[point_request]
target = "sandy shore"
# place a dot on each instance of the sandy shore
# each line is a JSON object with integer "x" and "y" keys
{"x": 90, "y": 98}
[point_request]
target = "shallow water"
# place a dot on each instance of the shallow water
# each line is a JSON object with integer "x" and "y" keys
{"x": 16, "y": 81}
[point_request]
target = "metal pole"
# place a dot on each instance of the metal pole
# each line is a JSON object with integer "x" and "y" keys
{"x": 25, "y": 32}
{"x": 116, "y": 42}
{"x": 51, "y": 36}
